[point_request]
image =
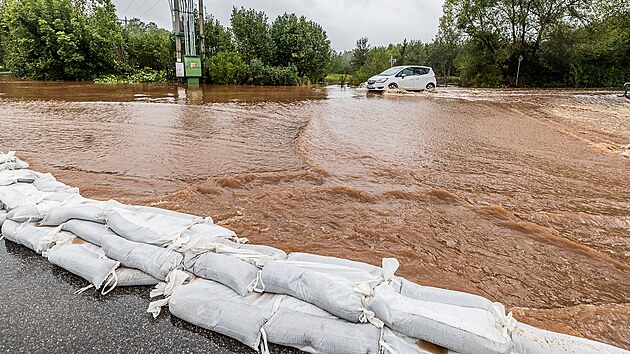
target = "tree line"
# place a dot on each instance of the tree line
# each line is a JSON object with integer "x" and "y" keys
{"x": 562, "y": 43}
{"x": 577, "y": 43}
{"x": 83, "y": 40}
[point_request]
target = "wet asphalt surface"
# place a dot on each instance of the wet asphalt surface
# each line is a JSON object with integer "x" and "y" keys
{"x": 40, "y": 314}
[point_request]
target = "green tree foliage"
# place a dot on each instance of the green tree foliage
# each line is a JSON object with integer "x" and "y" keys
{"x": 360, "y": 53}
{"x": 301, "y": 43}
{"x": 61, "y": 39}
{"x": 376, "y": 62}
{"x": 563, "y": 42}
{"x": 340, "y": 63}
{"x": 251, "y": 34}
{"x": 147, "y": 45}
{"x": 218, "y": 38}
{"x": 227, "y": 68}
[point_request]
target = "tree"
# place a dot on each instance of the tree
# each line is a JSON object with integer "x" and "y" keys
{"x": 445, "y": 48}
{"x": 147, "y": 45}
{"x": 226, "y": 68}
{"x": 217, "y": 38}
{"x": 251, "y": 33}
{"x": 62, "y": 39}
{"x": 360, "y": 53}
{"x": 377, "y": 61}
{"x": 301, "y": 43}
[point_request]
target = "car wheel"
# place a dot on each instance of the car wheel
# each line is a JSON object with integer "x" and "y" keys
{"x": 393, "y": 86}
{"x": 430, "y": 86}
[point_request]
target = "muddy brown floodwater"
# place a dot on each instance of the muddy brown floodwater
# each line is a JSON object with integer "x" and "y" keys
{"x": 521, "y": 196}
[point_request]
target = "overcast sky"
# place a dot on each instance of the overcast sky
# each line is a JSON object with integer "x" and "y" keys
{"x": 345, "y": 21}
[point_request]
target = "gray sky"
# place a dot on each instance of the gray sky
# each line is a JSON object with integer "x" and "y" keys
{"x": 345, "y": 21}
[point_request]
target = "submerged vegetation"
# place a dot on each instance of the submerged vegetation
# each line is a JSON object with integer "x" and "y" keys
{"x": 145, "y": 75}
{"x": 562, "y": 43}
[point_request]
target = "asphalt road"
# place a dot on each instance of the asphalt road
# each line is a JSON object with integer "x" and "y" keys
{"x": 40, "y": 314}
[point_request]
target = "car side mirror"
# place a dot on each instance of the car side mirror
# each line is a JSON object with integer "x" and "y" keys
{"x": 403, "y": 75}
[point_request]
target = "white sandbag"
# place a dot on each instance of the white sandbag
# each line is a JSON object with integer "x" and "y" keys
{"x": 532, "y": 340}
{"x": 8, "y": 157}
{"x": 10, "y": 162}
{"x": 87, "y": 261}
{"x": 20, "y": 194}
{"x": 301, "y": 325}
{"x": 25, "y": 214}
{"x": 337, "y": 289}
{"x": 463, "y": 329}
{"x": 3, "y": 216}
{"x": 228, "y": 270}
{"x": 8, "y": 177}
{"x": 212, "y": 231}
{"x": 38, "y": 239}
{"x": 307, "y": 257}
{"x": 145, "y": 227}
{"x": 90, "y": 231}
{"x": 217, "y": 308}
{"x": 62, "y": 197}
{"x": 79, "y": 208}
{"x": 32, "y": 213}
{"x": 48, "y": 183}
{"x": 269, "y": 251}
{"x": 443, "y": 296}
{"x": 153, "y": 210}
{"x": 393, "y": 342}
{"x": 153, "y": 260}
{"x": 134, "y": 277}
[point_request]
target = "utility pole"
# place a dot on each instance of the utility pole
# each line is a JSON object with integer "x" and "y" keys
{"x": 201, "y": 36}
{"x": 178, "y": 30}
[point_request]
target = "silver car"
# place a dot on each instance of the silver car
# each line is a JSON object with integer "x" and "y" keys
{"x": 409, "y": 77}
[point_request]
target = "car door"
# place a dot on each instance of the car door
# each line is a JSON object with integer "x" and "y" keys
{"x": 421, "y": 78}
{"x": 406, "y": 79}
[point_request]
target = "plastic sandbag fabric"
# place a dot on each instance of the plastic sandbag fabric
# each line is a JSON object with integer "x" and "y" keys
{"x": 80, "y": 208}
{"x": 134, "y": 277}
{"x": 215, "y": 307}
{"x": 146, "y": 227}
{"x": 87, "y": 261}
{"x": 463, "y": 329}
{"x": 227, "y": 270}
{"x": 90, "y": 231}
{"x": 38, "y": 239}
{"x": 153, "y": 260}
{"x": 3, "y": 216}
{"x": 337, "y": 289}
{"x": 532, "y": 340}
{"x": 305, "y": 326}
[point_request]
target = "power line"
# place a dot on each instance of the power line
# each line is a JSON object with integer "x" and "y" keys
{"x": 138, "y": 9}
{"x": 128, "y": 6}
{"x": 150, "y": 8}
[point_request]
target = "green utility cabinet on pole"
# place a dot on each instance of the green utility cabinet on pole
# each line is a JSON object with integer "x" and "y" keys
{"x": 192, "y": 67}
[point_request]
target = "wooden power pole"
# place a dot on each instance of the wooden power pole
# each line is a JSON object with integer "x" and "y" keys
{"x": 202, "y": 41}
{"x": 178, "y": 30}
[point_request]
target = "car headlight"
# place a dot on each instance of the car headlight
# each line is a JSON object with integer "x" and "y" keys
{"x": 381, "y": 80}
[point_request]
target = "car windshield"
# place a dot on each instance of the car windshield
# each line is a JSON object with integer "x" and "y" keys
{"x": 390, "y": 72}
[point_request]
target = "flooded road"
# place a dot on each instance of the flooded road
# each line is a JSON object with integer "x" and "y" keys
{"x": 521, "y": 196}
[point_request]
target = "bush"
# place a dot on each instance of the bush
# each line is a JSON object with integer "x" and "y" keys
{"x": 226, "y": 68}
{"x": 261, "y": 74}
{"x": 136, "y": 76}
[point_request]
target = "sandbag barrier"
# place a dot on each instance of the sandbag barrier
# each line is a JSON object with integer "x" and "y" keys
{"x": 256, "y": 294}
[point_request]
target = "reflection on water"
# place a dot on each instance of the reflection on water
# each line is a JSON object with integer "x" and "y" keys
{"x": 521, "y": 196}
{"x": 14, "y": 88}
